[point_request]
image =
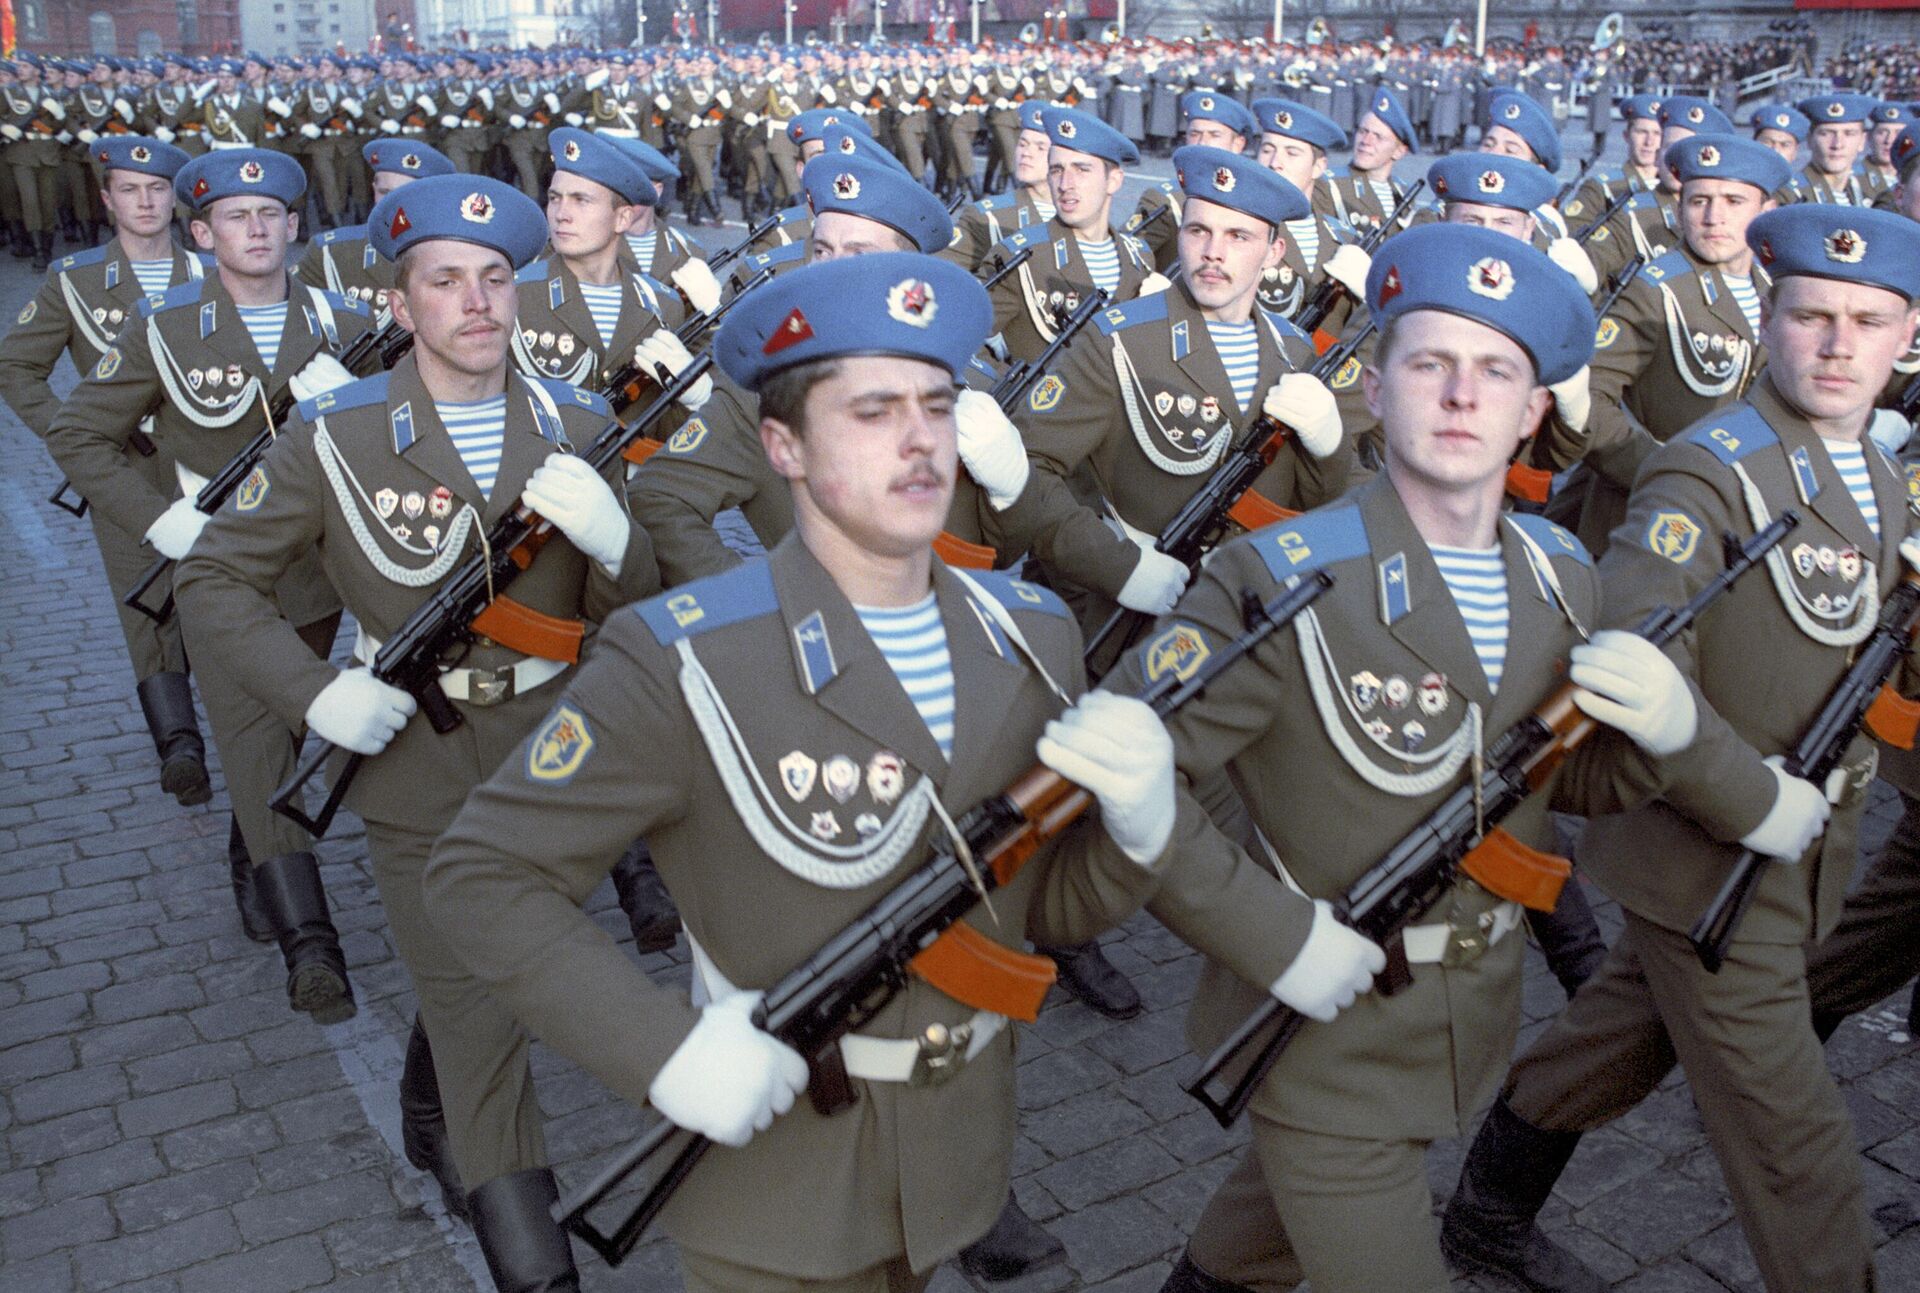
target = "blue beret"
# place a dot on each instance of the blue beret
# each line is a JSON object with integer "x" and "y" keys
{"x": 1903, "y": 149}
{"x": 1085, "y": 133}
{"x": 1530, "y": 121}
{"x": 1493, "y": 180}
{"x": 1852, "y": 244}
{"x": 1386, "y": 105}
{"x": 1691, "y": 112}
{"x": 886, "y": 195}
{"x": 1297, "y": 121}
{"x": 813, "y": 123}
{"x": 1837, "y": 109}
{"x": 883, "y": 304}
{"x": 226, "y": 67}
{"x": 594, "y": 157}
{"x": 405, "y": 157}
{"x": 1728, "y": 157}
{"x": 138, "y": 153}
{"x": 1782, "y": 117}
{"x": 1495, "y": 279}
{"x": 851, "y": 143}
{"x": 1033, "y": 115}
{"x": 239, "y": 172}
{"x": 658, "y": 166}
{"x": 1641, "y": 107}
{"x": 1211, "y": 105}
{"x": 465, "y": 208}
{"x": 1238, "y": 181}
{"x": 1890, "y": 114}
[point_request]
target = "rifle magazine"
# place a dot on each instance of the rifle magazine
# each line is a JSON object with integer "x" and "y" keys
{"x": 976, "y": 971}
{"x": 1506, "y": 868}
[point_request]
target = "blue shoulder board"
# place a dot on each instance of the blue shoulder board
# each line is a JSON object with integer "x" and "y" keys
{"x": 780, "y": 255}
{"x": 1019, "y": 595}
{"x": 187, "y": 293}
{"x": 91, "y": 256}
{"x": 1734, "y": 436}
{"x": 565, "y": 393}
{"x": 794, "y": 214}
{"x": 1284, "y": 326}
{"x": 1642, "y": 200}
{"x": 743, "y": 593}
{"x": 1672, "y": 265}
{"x": 999, "y": 201}
{"x": 1336, "y": 173}
{"x": 348, "y": 304}
{"x": 1312, "y": 542}
{"x": 1553, "y": 540}
{"x": 354, "y": 395}
{"x": 1014, "y": 242}
{"x": 1141, "y": 309}
{"x": 1342, "y": 231}
{"x": 207, "y": 260}
{"x": 534, "y": 271}
{"x": 343, "y": 233}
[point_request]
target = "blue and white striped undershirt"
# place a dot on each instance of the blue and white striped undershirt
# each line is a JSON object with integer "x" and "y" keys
{"x": 914, "y": 641}
{"x": 1239, "y": 347}
{"x": 603, "y": 303}
{"x": 154, "y": 275}
{"x": 1306, "y": 236}
{"x": 1745, "y": 297}
{"x": 1383, "y": 193}
{"x": 1045, "y": 210}
{"x": 1850, "y": 460}
{"x": 1477, "y": 578}
{"x": 479, "y": 432}
{"x": 1103, "y": 262}
{"x": 265, "y": 323}
{"x": 643, "y": 245}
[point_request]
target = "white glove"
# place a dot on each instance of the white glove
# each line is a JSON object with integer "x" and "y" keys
{"x": 1154, "y": 282}
{"x": 1335, "y": 965}
{"x": 661, "y": 349}
{"x": 173, "y": 535}
{"x": 1629, "y": 684}
{"x": 553, "y": 102}
{"x": 449, "y": 121}
{"x": 1155, "y": 584}
{"x": 693, "y": 121}
{"x": 279, "y": 107}
{"x": 1117, "y": 747}
{"x": 728, "y": 1079}
{"x": 751, "y": 119}
{"x": 724, "y": 98}
{"x": 660, "y": 101}
{"x": 1574, "y": 398}
{"x": 426, "y": 102}
{"x": 581, "y": 505}
{"x": 202, "y": 90}
{"x": 1910, "y": 551}
{"x": 574, "y": 118}
{"x": 13, "y": 133}
{"x": 163, "y": 134}
{"x": 517, "y": 121}
{"x": 596, "y": 78}
{"x": 358, "y": 712}
{"x": 1798, "y": 816}
{"x": 322, "y": 373}
{"x": 86, "y": 136}
{"x": 1348, "y": 266}
{"x": 309, "y": 131}
{"x": 351, "y": 106}
{"x": 125, "y": 110}
{"x": 1572, "y": 257}
{"x": 990, "y": 448}
{"x": 388, "y": 126}
{"x": 64, "y": 137}
{"x": 701, "y": 287}
{"x": 54, "y": 108}
{"x": 1889, "y": 430}
{"x": 486, "y": 98}
{"x": 828, "y": 93}
{"x": 1303, "y": 402}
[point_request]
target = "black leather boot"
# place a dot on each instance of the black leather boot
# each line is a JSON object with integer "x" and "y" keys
{"x": 423, "y": 1122}
{"x": 21, "y": 239}
{"x": 651, "y": 915}
{"x": 1186, "y": 1277}
{"x": 255, "y": 919}
{"x": 289, "y": 887}
{"x": 167, "y": 701}
{"x": 1016, "y": 1244}
{"x": 525, "y": 1248}
{"x": 42, "y": 250}
{"x": 1086, "y": 972}
{"x": 1489, "y": 1223}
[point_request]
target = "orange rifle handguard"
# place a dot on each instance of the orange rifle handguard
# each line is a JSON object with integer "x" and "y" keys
{"x": 1506, "y": 868}
{"x": 979, "y": 972}
{"x": 1893, "y": 719}
{"x": 519, "y": 627}
{"x": 956, "y": 551}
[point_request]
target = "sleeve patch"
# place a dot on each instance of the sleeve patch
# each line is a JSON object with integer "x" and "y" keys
{"x": 109, "y": 365}
{"x": 1673, "y": 535}
{"x": 252, "y": 491}
{"x": 28, "y": 311}
{"x": 1349, "y": 374}
{"x": 1047, "y": 394}
{"x": 1607, "y": 333}
{"x": 1179, "y": 652}
{"x": 688, "y": 437}
{"x": 560, "y": 748}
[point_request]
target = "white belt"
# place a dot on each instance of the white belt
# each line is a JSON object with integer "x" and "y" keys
{"x": 617, "y": 132}
{"x": 481, "y": 687}
{"x": 1430, "y": 944}
{"x": 226, "y": 143}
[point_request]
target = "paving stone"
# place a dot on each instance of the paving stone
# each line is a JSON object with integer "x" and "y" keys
{"x": 267, "y": 1217}
{"x": 1114, "y": 1169}
{"x": 1106, "y": 1238}
{"x": 154, "y": 1114}
{"x": 57, "y": 1138}
{"x": 1657, "y": 1216}
{"x": 187, "y": 1066}
{"x": 50, "y": 1274}
{"x": 83, "y": 977}
{"x": 70, "y": 1092}
{"x": 62, "y": 1225}
{"x": 179, "y": 1195}
{"x": 127, "y": 1162}
{"x": 297, "y": 1263}
{"x": 121, "y": 1261}
{"x": 156, "y": 996}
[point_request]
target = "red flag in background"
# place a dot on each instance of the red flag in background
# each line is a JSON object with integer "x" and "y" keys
{"x": 8, "y": 37}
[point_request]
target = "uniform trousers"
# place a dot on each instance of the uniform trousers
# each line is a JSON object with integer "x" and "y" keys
{"x": 529, "y": 153}
{"x": 153, "y": 648}
{"x": 1771, "y": 1109}
{"x": 39, "y": 188}
{"x": 1875, "y": 949}
{"x": 705, "y": 1274}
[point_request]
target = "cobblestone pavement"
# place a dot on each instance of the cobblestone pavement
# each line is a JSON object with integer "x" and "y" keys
{"x": 168, "y": 1125}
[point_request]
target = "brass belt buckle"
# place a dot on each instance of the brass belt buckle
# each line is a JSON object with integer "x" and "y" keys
{"x": 487, "y": 687}
{"x": 943, "y": 1053}
{"x": 1465, "y": 946}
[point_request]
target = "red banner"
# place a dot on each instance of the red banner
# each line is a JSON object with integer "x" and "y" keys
{"x": 9, "y": 37}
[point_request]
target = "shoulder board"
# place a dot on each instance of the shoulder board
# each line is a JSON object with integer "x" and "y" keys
{"x": 998, "y": 202}
{"x": 81, "y": 259}
{"x": 1341, "y": 230}
{"x": 1166, "y": 188}
{"x": 1035, "y": 237}
{"x": 354, "y": 395}
{"x": 1281, "y": 324}
{"x": 779, "y": 255}
{"x": 1606, "y": 175}
{"x": 565, "y": 393}
{"x": 794, "y": 214}
{"x": 206, "y": 259}
{"x": 342, "y": 234}
{"x": 1733, "y": 436}
{"x": 733, "y": 597}
{"x": 1554, "y": 540}
{"x": 348, "y": 304}
{"x": 1642, "y": 200}
{"x": 1312, "y": 542}
{"x": 1336, "y": 173}
{"x": 1019, "y": 595}
{"x": 534, "y": 271}
{"x": 1141, "y": 309}
{"x": 1670, "y": 266}
{"x": 187, "y": 293}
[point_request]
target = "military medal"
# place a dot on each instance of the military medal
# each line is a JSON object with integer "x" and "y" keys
{"x": 235, "y": 375}
{"x": 413, "y": 504}
{"x": 841, "y": 776}
{"x": 1365, "y": 687}
{"x": 1209, "y": 409}
{"x": 1187, "y": 405}
{"x": 194, "y": 378}
{"x": 824, "y": 825}
{"x": 1412, "y": 734}
{"x": 432, "y": 535}
{"x": 215, "y": 376}
{"x": 565, "y": 343}
{"x": 1163, "y": 403}
{"x": 1827, "y": 559}
{"x": 1398, "y": 692}
{"x": 1848, "y": 562}
{"x": 1379, "y": 729}
{"x": 866, "y": 824}
{"x": 1803, "y": 559}
{"x": 797, "y": 772}
{"x": 403, "y": 532}
{"x": 886, "y": 777}
{"x": 1433, "y": 694}
{"x": 384, "y": 502}
{"x": 546, "y": 341}
{"x": 440, "y": 503}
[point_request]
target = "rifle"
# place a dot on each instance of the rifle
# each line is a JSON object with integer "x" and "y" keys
{"x": 1573, "y": 185}
{"x": 443, "y": 623}
{"x": 1019, "y": 379}
{"x": 1856, "y": 700}
{"x": 1020, "y": 258}
{"x": 1613, "y": 208}
{"x": 958, "y": 200}
{"x": 221, "y": 486}
{"x": 1628, "y": 272}
{"x": 1417, "y": 871}
{"x": 857, "y": 971}
{"x": 1202, "y": 521}
{"x": 739, "y": 249}
{"x": 1320, "y": 304}
{"x": 1909, "y": 404}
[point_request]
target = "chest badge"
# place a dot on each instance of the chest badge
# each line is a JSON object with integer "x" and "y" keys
{"x": 798, "y": 771}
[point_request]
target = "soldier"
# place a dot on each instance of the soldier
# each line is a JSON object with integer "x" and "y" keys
{"x": 1878, "y": 173}
{"x": 1648, "y": 224}
{"x": 1448, "y": 623}
{"x": 1683, "y": 339}
{"x": 914, "y": 117}
{"x": 1010, "y": 91}
{"x": 857, "y": 414}
{"x": 1783, "y": 128}
{"x": 344, "y": 260}
{"x": 700, "y": 106}
{"x": 528, "y": 110}
{"x": 1835, "y": 141}
{"x": 1077, "y": 250}
{"x": 1362, "y": 194}
{"x": 960, "y": 99}
{"x": 807, "y": 134}
{"x": 1639, "y": 173}
{"x": 1840, "y": 308}
{"x": 81, "y": 308}
{"x": 1213, "y": 121}
{"x": 206, "y": 363}
{"x": 450, "y": 441}
{"x": 658, "y": 248}
{"x": 232, "y": 118}
{"x": 36, "y": 115}
{"x": 462, "y": 107}
{"x": 982, "y": 225}
{"x": 787, "y": 98}
{"x": 1294, "y": 142}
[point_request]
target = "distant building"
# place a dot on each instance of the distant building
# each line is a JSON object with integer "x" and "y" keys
{"x": 128, "y": 27}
